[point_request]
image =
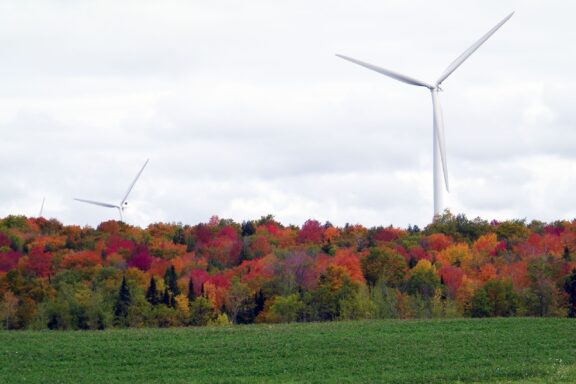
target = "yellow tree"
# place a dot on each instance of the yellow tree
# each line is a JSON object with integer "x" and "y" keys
{"x": 8, "y": 308}
{"x": 457, "y": 255}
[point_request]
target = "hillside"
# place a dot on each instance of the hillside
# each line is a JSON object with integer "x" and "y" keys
{"x": 116, "y": 275}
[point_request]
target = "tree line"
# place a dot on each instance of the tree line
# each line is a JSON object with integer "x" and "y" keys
{"x": 221, "y": 272}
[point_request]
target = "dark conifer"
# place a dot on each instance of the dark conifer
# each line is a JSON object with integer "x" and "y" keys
{"x": 570, "y": 288}
{"x": 190, "y": 243}
{"x": 152, "y": 292}
{"x": 191, "y": 294}
{"x": 171, "y": 281}
{"x": 566, "y": 256}
{"x": 166, "y": 300}
{"x": 259, "y": 299}
{"x": 248, "y": 229}
{"x": 122, "y": 303}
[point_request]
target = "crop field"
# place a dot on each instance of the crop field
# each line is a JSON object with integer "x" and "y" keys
{"x": 511, "y": 350}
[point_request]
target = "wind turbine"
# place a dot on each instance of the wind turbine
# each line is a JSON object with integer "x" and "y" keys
{"x": 42, "y": 207}
{"x": 120, "y": 207}
{"x": 439, "y": 146}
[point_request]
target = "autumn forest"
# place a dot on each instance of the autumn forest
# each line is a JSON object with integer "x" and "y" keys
{"x": 54, "y": 276}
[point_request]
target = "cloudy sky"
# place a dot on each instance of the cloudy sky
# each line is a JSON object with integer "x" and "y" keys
{"x": 243, "y": 109}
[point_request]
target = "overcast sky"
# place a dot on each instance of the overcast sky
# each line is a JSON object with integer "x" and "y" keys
{"x": 243, "y": 109}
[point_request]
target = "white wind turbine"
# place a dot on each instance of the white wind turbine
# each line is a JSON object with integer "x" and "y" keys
{"x": 438, "y": 141}
{"x": 42, "y": 207}
{"x": 120, "y": 207}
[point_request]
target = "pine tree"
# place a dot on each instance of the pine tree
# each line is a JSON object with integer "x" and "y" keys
{"x": 566, "y": 256}
{"x": 166, "y": 297}
{"x": 152, "y": 292}
{"x": 570, "y": 288}
{"x": 191, "y": 294}
{"x": 190, "y": 243}
{"x": 122, "y": 304}
{"x": 171, "y": 281}
{"x": 248, "y": 229}
{"x": 259, "y": 299}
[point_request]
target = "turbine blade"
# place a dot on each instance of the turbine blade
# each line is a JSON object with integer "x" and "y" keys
{"x": 460, "y": 59}
{"x": 439, "y": 132}
{"x": 97, "y": 203}
{"x": 389, "y": 73}
{"x": 134, "y": 182}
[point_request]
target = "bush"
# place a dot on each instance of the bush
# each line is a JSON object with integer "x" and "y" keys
{"x": 285, "y": 309}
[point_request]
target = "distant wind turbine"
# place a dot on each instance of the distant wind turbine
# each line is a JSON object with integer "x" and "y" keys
{"x": 439, "y": 146}
{"x": 42, "y": 207}
{"x": 123, "y": 202}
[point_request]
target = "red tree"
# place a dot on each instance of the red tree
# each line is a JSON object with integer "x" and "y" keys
{"x": 311, "y": 232}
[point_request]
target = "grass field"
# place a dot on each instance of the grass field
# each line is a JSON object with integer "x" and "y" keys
{"x": 510, "y": 350}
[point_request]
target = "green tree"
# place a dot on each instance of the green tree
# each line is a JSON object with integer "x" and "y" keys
{"x": 171, "y": 281}
{"x": 57, "y": 314}
{"x": 358, "y": 306}
{"x": 386, "y": 301}
{"x": 201, "y": 311}
{"x": 152, "y": 294}
{"x": 566, "y": 256}
{"x": 512, "y": 230}
{"x": 179, "y": 236}
{"x": 8, "y": 308}
{"x": 334, "y": 285}
{"x": 570, "y": 288}
{"x": 458, "y": 227}
{"x": 164, "y": 316}
{"x": 191, "y": 294}
{"x": 385, "y": 264}
{"x": 259, "y": 300}
{"x": 247, "y": 229}
{"x": 543, "y": 295}
{"x": 238, "y": 298}
{"x": 495, "y": 298}
{"x": 285, "y": 309}
{"x": 168, "y": 299}
{"x": 423, "y": 280}
{"x": 122, "y": 304}
{"x": 98, "y": 312}
{"x": 139, "y": 311}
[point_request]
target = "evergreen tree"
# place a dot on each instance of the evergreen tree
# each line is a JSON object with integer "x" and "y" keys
{"x": 247, "y": 229}
{"x": 191, "y": 294}
{"x": 166, "y": 297}
{"x": 259, "y": 299}
{"x": 171, "y": 281}
{"x": 152, "y": 292}
{"x": 566, "y": 256}
{"x": 190, "y": 243}
{"x": 122, "y": 304}
{"x": 179, "y": 236}
{"x": 570, "y": 288}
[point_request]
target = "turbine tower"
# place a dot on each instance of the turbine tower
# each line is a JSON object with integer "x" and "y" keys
{"x": 123, "y": 202}
{"x": 439, "y": 146}
{"x": 42, "y": 207}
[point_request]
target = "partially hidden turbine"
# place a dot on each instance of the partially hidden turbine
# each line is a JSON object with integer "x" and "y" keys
{"x": 438, "y": 141}
{"x": 123, "y": 202}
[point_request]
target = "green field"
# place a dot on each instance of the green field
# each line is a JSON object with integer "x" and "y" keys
{"x": 532, "y": 350}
